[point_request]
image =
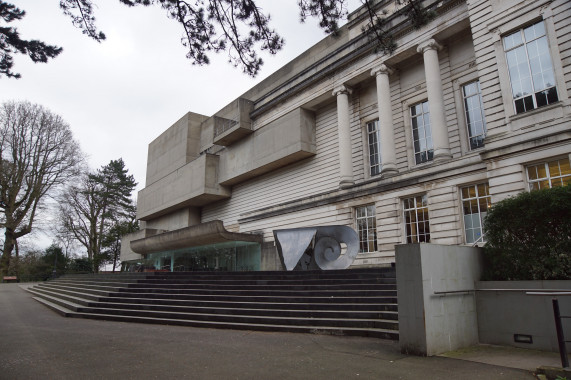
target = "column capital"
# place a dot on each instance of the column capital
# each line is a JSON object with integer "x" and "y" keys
{"x": 431, "y": 44}
{"x": 381, "y": 69}
{"x": 342, "y": 89}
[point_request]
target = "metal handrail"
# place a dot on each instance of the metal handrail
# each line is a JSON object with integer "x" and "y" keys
{"x": 443, "y": 293}
{"x": 550, "y": 293}
{"x": 560, "y": 337}
{"x": 531, "y": 292}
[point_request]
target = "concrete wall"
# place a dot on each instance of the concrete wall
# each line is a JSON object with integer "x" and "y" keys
{"x": 286, "y": 140}
{"x": 175, "y": 147}
{"x": 270, "y": 258}
{"x": 126, "y": 253}
{"x": 501, "y": 314}
{"x": 194, "y": 184}
{"x": 430, "y": 324}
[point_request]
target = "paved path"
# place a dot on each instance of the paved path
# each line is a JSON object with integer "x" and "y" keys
{"x": 36, "y": 343}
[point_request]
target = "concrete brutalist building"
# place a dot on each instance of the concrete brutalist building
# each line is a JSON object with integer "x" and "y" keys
{"x": 404, "y": 148}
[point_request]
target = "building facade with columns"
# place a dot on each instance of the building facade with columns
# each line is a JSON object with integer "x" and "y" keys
{"x": 408, "y": 147}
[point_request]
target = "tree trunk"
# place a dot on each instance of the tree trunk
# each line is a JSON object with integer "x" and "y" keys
{"x": 9, "y": 244}
{"x": 115, "y": 254}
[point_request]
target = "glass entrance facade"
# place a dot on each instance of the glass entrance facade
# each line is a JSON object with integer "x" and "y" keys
{"x": 228, "y": 256}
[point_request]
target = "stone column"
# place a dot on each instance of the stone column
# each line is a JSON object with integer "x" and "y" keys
{"x": 344, "y": 133}
{"x": 388, "y": 155}
{"x": 429, "y": 50}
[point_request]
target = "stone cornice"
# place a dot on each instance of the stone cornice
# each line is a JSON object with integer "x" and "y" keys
{"x": 326, "y": 66}
{"x": 370, "y": 187}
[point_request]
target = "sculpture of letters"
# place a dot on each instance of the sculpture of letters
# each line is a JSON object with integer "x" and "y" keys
{"x": 327, "y": 252}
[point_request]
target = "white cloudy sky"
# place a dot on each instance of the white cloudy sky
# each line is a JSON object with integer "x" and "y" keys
{"x": 120, "y": 94}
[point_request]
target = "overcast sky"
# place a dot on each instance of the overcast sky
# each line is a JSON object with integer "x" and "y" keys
{"x": 119, "y": 95}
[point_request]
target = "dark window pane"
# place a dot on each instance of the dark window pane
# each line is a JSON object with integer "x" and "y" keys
{"x": 430, "y": 154}
{"x": 477, "y": 142}
{"x": 519, "y": 107}
{"x": 528, "y": 102}
{"x": 552, "y": 95}
{"x": 541, "y": 98}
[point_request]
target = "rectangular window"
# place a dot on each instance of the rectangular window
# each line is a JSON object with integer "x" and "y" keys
{"x": 417, "y": 228}
{"x": 476, "y": 201}
{"x": 474, "y": 114}
{"x": 549, "y": 174}
{"x": 374, "y": 140}
{"x": 366, "y": 228}
{"x": 530, "y": 67}
{"x": 421, "y": 133}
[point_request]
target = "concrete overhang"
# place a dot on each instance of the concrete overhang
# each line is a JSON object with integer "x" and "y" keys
{"x": 288, "y": 139}
{"x": 193, "y": 236}
{"x": 193, "y": 185}
{"x": 233, "y": 122}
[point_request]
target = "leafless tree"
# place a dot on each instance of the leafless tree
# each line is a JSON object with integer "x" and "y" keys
{"x": 38, "y": 154}
{"x": 80, "y": 211}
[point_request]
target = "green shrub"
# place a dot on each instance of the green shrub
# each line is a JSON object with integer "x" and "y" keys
{"x": 80, "y": 265}
{"x": 529, "y": 236}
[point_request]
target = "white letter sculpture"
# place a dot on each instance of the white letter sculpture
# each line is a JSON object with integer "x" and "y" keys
{"x": 327, "y": 251}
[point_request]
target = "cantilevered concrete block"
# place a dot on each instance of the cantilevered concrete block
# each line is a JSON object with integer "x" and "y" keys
{"x": 286, "y": 140}
{"x": 194, "y": 184}
{"x": 233, "y": 122}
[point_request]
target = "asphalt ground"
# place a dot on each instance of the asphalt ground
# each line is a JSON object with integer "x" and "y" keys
{"x": 37, "y": 343}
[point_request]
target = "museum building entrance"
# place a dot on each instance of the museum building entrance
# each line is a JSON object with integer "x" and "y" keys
{"x": 227, "y": 256}
{"x": 204, "y": 247}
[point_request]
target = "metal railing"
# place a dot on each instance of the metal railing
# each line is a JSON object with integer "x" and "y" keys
{"x": 560, "y": 337}
{"x": 529, "y": 292}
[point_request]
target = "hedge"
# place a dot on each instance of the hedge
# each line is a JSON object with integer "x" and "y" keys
{"x": 528, "y": 237}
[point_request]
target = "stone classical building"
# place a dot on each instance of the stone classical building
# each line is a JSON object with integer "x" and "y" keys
{"x": 409, "y": 147}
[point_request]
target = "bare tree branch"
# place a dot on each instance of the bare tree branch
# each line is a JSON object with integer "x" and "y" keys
{"x": 37, "y": 156}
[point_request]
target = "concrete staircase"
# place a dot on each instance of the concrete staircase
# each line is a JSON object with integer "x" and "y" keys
{"x": 346, "y": 302}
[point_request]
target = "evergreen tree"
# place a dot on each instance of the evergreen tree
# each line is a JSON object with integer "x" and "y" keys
{"x": 10, "y": 42}
{"x": 55, "y": 259}
{"x": 91, "y": 208}
{"x": 112, "y": 239}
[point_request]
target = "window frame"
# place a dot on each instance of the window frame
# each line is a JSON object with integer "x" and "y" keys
{"x": 429, "y": 152}
{"x": 526, "y": 46}
{"x": 549, "y": 178}
{"x": 519, "y": 17}
{"x": 465, "y": 114}
{"x": 367, "y": 150}
{"x": 481, "y": 219}
{"x": 367, "y": 219}
{"x": 404, "y": 214}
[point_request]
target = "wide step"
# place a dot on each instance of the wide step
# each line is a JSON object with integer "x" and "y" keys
{"x": 349, "y": 302}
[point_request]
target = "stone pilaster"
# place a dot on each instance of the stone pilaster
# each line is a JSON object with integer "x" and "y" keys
{"x": 388, "y": 154}
{"x": 429, "y": 50}
{"x": 344, "y": 133}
